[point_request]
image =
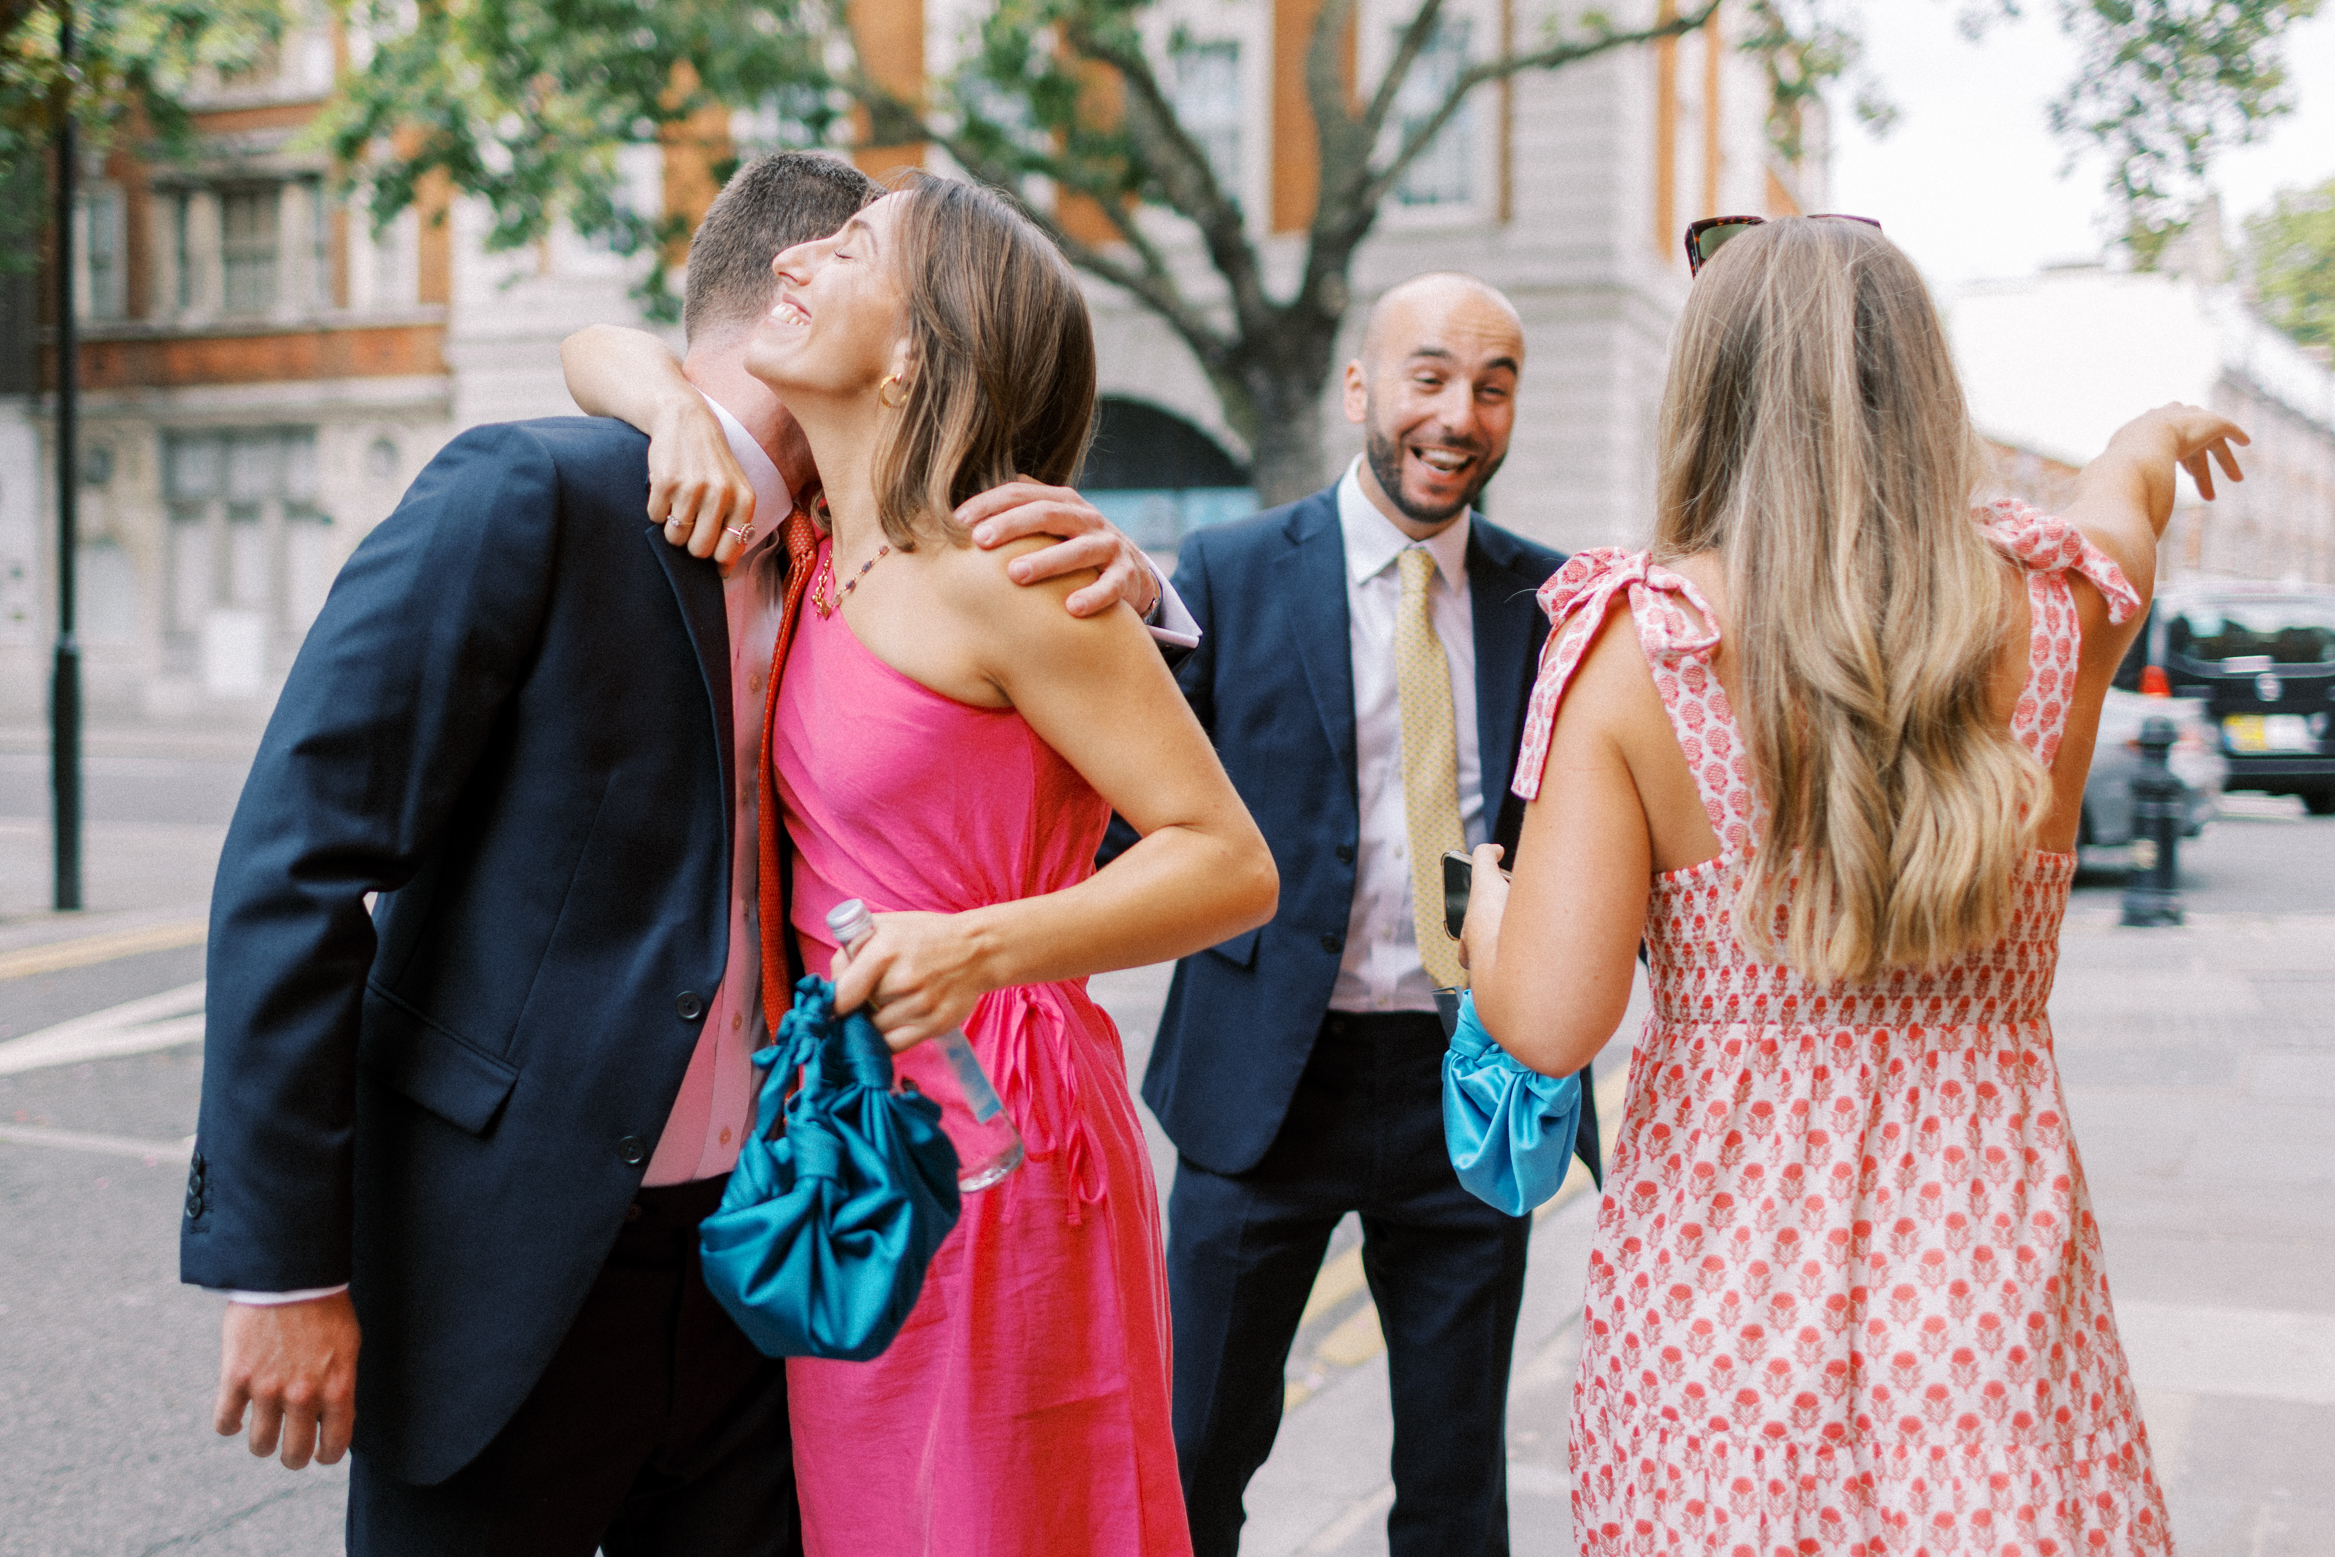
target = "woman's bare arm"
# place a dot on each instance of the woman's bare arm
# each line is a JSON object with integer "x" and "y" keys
{"x": 1550, "y": 954}
{"x": 697, "y": 489}
{"x": 2124, "y": 498}
{"x": 1096, "y": 691}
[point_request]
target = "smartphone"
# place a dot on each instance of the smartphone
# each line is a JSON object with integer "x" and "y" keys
{"x": 1459, "y": 874}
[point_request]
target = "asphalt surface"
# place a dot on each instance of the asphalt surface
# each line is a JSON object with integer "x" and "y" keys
{"x": 2199, "y": 1064}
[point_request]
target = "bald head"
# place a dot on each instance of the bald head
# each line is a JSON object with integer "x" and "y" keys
{"x": 1434, "y": 391}
{"x": 1411, "y": 312}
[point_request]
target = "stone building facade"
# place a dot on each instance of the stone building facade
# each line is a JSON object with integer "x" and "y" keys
{"x": 2057, "y": 362}
{"x": 263, "y": 373}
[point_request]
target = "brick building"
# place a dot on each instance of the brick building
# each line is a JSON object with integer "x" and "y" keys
{"x": 263, "y": 374}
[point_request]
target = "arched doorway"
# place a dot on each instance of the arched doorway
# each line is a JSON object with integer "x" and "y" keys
{"x": 1158, "y": 477}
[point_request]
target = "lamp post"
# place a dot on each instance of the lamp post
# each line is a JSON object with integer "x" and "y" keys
{"x": 65, "y": 684}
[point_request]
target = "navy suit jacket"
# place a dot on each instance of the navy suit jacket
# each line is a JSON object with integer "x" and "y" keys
{"x": 512, "y": 721}
{"x": 1273, "y": 683}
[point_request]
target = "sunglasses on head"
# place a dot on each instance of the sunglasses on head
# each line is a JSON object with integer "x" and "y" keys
{"x": 1706, "y": 237}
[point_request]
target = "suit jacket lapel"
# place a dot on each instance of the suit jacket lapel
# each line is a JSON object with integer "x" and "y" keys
{"x": 1505, "y": 608}
{"x": 1318, "y": 611}
{"x": 698, "y": 588}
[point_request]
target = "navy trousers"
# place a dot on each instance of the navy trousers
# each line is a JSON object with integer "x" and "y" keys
{"x": 657, "y": 1431}
{"x": 1364, "y": 1134}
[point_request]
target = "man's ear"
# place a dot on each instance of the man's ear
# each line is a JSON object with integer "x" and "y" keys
{"x": 1357, "y": 393}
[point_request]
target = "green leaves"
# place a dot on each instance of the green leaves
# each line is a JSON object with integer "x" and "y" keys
{"x": 2291, "y": 252}
{"x": 134, "y": 61}
{"x": 529, "y": 104}
{"x": 2165, "y": 84}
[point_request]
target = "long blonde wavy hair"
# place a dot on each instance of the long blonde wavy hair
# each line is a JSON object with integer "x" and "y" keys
{"x": 1814, "y": 437}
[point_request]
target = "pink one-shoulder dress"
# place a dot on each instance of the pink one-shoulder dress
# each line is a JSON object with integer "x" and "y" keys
{"x": 1024, "y": 1407}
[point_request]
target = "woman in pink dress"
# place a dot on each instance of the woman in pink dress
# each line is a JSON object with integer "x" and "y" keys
{"x": 1847, "y": 1294}
{"x": 949, "y": 746}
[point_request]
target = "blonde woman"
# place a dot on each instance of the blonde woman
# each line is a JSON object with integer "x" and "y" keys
{"x": 1847, "y": 1294}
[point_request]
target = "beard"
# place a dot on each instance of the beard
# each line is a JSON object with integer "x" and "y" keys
{"x": 1385, "y": 455}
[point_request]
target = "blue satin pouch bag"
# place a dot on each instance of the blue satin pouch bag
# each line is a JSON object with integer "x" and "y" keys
{"x": 1510, "y": 1130}
{"x": 826, "y": 1230}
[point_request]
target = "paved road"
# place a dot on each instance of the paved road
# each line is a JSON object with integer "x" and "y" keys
{"x": 2200, "y": 1068}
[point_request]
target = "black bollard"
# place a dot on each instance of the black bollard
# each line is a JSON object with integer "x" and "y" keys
{"x": 2152, "y": 894}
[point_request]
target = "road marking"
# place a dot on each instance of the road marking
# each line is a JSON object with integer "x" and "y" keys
{"x": 81, "y": 1141}
{"x": 84, "y": 951}
{"x": 1358, "y": 1338}
{"x": 161, "y": 1021}
{"x": 2252, "y": 1353}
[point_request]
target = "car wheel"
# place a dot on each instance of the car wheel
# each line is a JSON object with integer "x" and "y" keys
{"x": 2319, "y": 802}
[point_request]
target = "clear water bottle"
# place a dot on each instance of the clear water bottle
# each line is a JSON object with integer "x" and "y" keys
{"x": 988, "y": 1146}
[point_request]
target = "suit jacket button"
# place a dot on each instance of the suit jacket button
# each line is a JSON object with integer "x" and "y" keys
{"x": 687, "y": 1006}
{"x": 194, "y": 1206}
{"x": 1333, "y": 943}
{"x": 632, "y": 1151}
{"x": 1345, "y": 854}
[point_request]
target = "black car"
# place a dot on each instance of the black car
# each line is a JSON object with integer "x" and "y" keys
{"x": 2261, "y": 657}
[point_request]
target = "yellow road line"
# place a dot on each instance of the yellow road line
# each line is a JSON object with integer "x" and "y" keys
{"x": 1358, "y": 1338}
{"x": 88, "y": 950}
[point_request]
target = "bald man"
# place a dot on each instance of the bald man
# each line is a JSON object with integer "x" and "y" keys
{"x": 1363, "y": 668}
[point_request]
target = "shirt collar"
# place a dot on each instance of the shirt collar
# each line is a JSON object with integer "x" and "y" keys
{"x": 1373, "y": 542}
{"x": 773, "y": 501}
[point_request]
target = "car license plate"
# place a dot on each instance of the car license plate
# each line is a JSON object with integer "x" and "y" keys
{"x": 2267, "y": 733}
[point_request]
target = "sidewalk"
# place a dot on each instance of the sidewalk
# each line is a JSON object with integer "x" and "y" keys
{"x": 2199, "y": 1068}
{"x": 2200, "y": 1075}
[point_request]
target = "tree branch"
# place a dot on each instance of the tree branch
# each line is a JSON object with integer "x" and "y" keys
{"x": 1554, "y": 57}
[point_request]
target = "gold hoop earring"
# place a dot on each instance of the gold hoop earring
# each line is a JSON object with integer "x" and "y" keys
{"x": 883, "y": 397}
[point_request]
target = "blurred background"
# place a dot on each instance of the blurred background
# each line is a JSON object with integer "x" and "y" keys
{"x": 304, "y": 244}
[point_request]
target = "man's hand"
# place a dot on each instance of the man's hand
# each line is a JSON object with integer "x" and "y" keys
{"x": 295, "y": 1365}
{"x": 1087, "y": 540}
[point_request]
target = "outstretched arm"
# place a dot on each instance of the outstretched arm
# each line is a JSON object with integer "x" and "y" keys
{"x": 2125, "y": 497}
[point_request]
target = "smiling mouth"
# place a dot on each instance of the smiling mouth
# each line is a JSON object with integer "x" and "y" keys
{"x": 787, "y": 311}
{"x": 1444, "y": 462}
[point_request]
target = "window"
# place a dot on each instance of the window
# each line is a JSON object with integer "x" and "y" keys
{"x": 320, "y": 279}
{"x": 1208, "y": 105}
{"x": 1442, "y": 174}
{"x": 247, "y": 543}
{"x": 247, "y": 248}
{"x": 107, "y": 292}
{"x": 182, "y": 252}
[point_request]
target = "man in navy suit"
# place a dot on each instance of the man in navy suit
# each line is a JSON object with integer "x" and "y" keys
{"x": 477, "y": 1127}
{"x": 1366, "y": 658}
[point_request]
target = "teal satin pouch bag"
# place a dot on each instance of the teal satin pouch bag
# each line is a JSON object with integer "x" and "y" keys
{"x": 1510, "y": 1130}
{"x": 826, "y": 1229}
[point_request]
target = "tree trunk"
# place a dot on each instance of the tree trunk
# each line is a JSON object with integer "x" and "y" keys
{"x": 1287, "y": 462}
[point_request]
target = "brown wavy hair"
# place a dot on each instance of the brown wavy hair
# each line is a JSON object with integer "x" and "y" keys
{"x": 1814, "y": 435}
{"x": 1001, "y": 376}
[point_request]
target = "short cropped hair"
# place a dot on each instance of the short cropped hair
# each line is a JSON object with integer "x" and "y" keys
{"x": 770, "y": 204}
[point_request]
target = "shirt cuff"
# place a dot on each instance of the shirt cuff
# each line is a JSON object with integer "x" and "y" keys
{"x": 278, "y": 1299}
{"x": 1171, "y": 621}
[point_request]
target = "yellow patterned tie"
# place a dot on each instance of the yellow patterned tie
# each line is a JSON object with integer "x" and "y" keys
{"x": 1430, "y": 767}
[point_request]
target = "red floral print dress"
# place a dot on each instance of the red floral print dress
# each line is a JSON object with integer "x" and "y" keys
{"x": 1847, "y": 1294}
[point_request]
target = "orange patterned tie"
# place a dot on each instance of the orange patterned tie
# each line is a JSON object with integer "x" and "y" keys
{"x": 800, "y": 536}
